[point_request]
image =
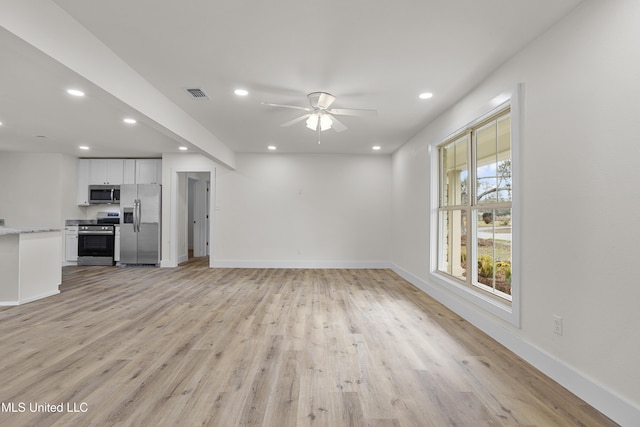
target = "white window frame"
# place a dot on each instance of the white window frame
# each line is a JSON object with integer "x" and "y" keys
{"x": 504, "y": 309}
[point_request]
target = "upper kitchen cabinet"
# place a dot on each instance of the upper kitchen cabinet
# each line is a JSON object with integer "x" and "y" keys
{"x": 129, "y": 176}
{"x": 115, "y": 172}
{"x": 148, "y": 171}
{"x": 82, "y": 190}
{"x": 106, "y": 171}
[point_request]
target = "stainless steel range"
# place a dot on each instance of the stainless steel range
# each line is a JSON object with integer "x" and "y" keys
{"x": 96, "y": 241}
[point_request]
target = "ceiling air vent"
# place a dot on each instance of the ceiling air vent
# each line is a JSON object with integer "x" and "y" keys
{"x": 197, "y": 93}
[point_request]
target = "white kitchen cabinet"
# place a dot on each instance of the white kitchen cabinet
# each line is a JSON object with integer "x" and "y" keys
{"x": 106, "y": 171}
{"x": 82, "y": 189}
{"x": 29, "y": 265}
{"x": 148, "y": 171}
{"x": 115, "y": 172}
{"x": 71, "y": 243}
{"x": 129, "y": 176}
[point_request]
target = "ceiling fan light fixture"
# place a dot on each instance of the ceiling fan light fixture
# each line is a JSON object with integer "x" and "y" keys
{"x": 319, "y": 119}
{"x": 325, "y": 122}
{"x": 312, "y": 122}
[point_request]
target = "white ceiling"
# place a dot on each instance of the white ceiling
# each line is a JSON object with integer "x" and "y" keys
{"x": 369, "y": 54}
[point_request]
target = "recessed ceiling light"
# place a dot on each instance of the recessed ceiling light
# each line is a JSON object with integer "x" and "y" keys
{"x": 129, "y": 121}
{"x": 75, "y": 92}
{"x": 425, "y": 95}
{"x": 83, "y": 147}
{"x": 376, "y": 147}
{"x": 183, "y": 148}
{"x": 241, "y": 92}
{"x": 272, "y": 147}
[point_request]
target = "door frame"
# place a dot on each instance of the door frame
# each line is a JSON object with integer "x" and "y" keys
{"x": 174, "y": 226}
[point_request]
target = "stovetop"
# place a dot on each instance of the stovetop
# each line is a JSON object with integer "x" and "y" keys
{"x": 108, "y": 218}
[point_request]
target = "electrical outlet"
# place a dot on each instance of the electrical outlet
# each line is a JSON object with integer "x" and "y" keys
{"x": 557, "y": 324}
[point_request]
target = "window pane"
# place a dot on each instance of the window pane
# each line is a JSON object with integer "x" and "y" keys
{"x": 493, "y": 248}
{"x": 493, "y": 161}
{"x": 454, "y": 176}
{"x": 504, "y": 159}
{"x": 452, "y": 257}
{"x": 486, "y": 164}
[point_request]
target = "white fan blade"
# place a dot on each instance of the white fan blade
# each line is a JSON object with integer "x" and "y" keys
{"x": 288, "y": 106}
{"x": 353, "y": 112}
{"x": 294, "y": 121}
{"x": 337, "y": 125}
{"x": 325, "y": 100}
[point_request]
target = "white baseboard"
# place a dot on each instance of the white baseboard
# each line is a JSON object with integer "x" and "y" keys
{"x": 301, "y": 264}
{"x": 600, "y": 397}
{"x": 30, "y": 299}
{"x": 164, "y": 263}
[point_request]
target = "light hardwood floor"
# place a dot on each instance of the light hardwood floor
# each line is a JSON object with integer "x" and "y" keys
{"x": 194, "y": 346}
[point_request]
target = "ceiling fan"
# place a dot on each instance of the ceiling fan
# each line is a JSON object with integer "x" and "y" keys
{"x": 320, "y": 116}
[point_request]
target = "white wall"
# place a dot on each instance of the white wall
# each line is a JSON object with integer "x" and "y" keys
{"x": 182, "y": 210}
{"x": 580, "y": 200}
{"x": 37, "y": 189}
{"x": 68, "y": 189}
{"x": 303, "y": 210}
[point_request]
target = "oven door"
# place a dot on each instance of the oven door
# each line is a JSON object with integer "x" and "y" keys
{"x": 95, "y": 248}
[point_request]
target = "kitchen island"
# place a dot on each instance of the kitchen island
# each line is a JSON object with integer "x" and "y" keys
{"x": 29, "y": 264}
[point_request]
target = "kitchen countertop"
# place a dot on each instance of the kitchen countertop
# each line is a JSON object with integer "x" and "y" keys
{"x": 4, "y": 231}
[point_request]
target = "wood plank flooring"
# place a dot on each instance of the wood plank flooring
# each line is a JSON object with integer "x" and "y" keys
{"x": 193, "y": 346}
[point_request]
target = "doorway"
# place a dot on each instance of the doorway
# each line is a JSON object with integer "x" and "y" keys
{"x": 198, "y": 201}
{"x": 190, "y": 230}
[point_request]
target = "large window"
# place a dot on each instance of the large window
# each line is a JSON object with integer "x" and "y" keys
{"x": 475, "y": 206}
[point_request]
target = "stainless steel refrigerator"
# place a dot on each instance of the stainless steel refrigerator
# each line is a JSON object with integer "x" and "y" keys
{"x": 140, "y": 224}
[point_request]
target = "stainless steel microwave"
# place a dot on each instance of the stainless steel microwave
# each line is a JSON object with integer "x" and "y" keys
{"x": 103, "y": 194}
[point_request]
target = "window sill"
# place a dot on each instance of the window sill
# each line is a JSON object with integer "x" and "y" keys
{"x": 505, "y": 310}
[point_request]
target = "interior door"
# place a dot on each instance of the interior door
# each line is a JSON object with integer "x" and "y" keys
{"x": 200, "y": 219}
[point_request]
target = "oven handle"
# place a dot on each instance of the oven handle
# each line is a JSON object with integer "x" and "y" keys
{"x": 95, "y": 233}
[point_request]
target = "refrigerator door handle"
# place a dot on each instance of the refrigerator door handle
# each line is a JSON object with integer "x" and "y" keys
{"x": 136, "y": 216}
